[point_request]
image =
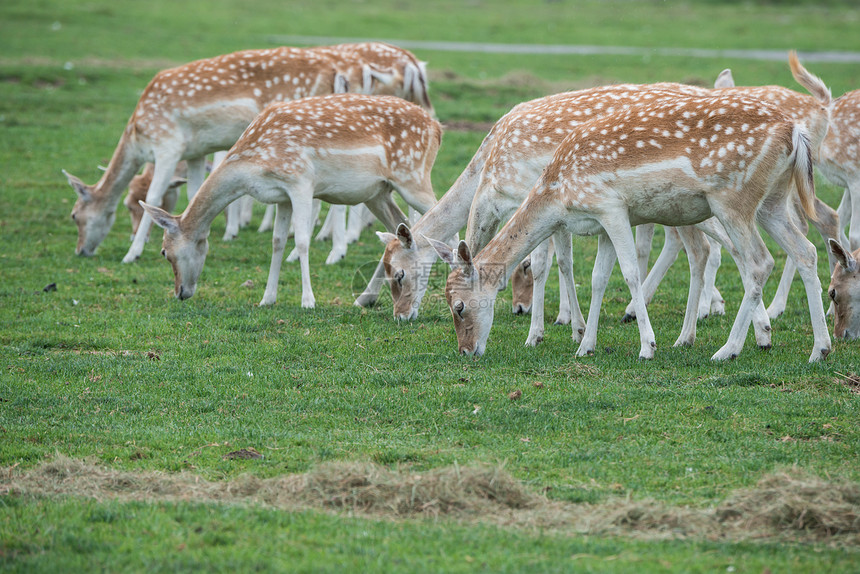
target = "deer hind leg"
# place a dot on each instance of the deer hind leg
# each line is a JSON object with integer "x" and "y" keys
{"x": 853, "y": 192}
{"x": 671, "y": 248}
{"x": 780, "y": 299}
{"x": 540, "y": 272}
{"x": 279, "y": 242}
{"x": 755, "y": 264}
{"x": 780, "y": 227}
{"x": 161, "y": 176}
{"x": 760, "y": 320}
{"x": 698, "y": 250}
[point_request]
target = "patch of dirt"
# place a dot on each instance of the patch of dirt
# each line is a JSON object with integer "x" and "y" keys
{"x": 851, "y": 381}
{"x": 788, "y": 506}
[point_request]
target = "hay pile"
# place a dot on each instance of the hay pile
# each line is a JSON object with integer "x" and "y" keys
{"x": 790, "y": 505}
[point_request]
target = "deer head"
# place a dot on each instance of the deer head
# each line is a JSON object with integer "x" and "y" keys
{"x": 471, "y": 293}
{"x": 93, "y": 216}
{"x": 844, "y": 291}
{"x": 522, "y": 283}
{"x": 185, "y": 251}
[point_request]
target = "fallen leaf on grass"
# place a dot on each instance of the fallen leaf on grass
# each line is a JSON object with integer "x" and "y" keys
{"x": 248, "y": 284}
{"x": 515, "y": 395}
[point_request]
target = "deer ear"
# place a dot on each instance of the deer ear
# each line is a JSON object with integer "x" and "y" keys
{"x": 843, "y": 256}
{"x": 444, "y": 252}
{"x": 79, "y": 186}
{"x": 464, "y": 255}
{"x": 386, "y": 237}
{"x": 170, "y": 223}
{"x": 725, "y": 79}
{"x": 177, "y": 182}
{"x": 404, "y": 235}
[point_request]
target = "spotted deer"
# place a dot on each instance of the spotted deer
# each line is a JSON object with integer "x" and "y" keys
{"x": 193, "y": 110}
{"x": 408, "y": 258}
{"x": 813, "y": 113}
{"x": 844, "y": 291}
{"x": 676, "y": 161}
{"x": 839, "y": 161}
{"x": 342, "y": 149}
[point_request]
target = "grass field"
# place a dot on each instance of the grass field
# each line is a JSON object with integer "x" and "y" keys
{"x": 118, "y": 403}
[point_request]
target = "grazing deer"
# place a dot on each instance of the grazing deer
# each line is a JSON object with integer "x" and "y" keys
{"x": 839, "y": 161}
{"x": 193, "y": 110}
{"x": 342, "y": 149}
{"x": 408, "y": 258}
{"x": 810, "y": 111}
{"x": 844, "y": 291}
{"x": 676, "y": 161}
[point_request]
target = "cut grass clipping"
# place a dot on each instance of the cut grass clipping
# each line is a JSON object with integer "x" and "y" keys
{"x": 790, "y": 506}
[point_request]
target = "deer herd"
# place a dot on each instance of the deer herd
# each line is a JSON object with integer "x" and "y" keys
{"x": 351, "y": 124}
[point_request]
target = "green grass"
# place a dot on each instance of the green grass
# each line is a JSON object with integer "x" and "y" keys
{"x": 110, "y": 367}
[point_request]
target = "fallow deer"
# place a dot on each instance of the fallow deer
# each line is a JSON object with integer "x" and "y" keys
{"x": 675, "y": 161}
{"x": 812, "y": 112}
{"x": 190, "y": 111}
{"x": 840, "y": 161}
{"x": 342, "y": 149}
{"x": 844, "y": 291}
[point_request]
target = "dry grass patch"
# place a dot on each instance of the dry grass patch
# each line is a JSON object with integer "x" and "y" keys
{"x": 791, "y": 505}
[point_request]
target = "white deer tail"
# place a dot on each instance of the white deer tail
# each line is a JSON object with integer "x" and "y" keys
{"x": 813, "y": 84}
{"x": 801, "y": 170}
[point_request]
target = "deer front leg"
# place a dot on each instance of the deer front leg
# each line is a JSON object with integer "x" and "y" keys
{"x": 268, "y": 219}
{"x": 671, "y": 248}
{"x": 644, "y": 239}
{"x": 233, "y": 213}
{"x": 195, "y": 174}
{"x": 162, "y": 174}
{"x": 621, "y": 234}
{"x": 540, "y": 272}
{"x": 337, "y": 213}
{"x": 854, "y": 231}
{"x": 698, "y": 249}
{"x": 279, "y": 243}
{"x": 603, "y": 263}
{"x": 712, "y": 302}
{"x": 567, "y": 287}
{"x": 303, "y": 226}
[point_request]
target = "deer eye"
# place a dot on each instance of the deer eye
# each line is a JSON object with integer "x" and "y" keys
{"x": 164, "y": 253}
{"x": 459, "y": 307}
{"x": 399, "y": 276}
{"x": 74, "y": 216}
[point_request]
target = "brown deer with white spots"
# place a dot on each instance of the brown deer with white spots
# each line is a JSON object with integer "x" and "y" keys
{"x": 844, "y": 291}
{"x": 188, "y": 112}
{"x": 839, "y": 161}
{"x": 813, "y": 112}
{"x": 674, "y": 161}
{"x": 524, "y": 138}
{"x": 342, "y": 149}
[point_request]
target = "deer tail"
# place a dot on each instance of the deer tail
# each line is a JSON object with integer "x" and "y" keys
{"x": 812, "y": 83}
{"x": 801, "y": 171}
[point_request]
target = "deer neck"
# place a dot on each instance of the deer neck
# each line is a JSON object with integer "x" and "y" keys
{"x": 123, "y": 166}
{"x": 220, "y": 189}
{"x": 451, "y": 212}
{"x": 517, "y": 239}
